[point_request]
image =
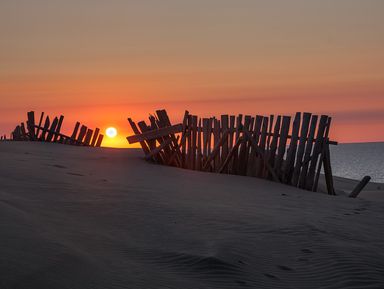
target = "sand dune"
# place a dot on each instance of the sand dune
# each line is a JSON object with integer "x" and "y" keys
{"x": 82, "y": 218}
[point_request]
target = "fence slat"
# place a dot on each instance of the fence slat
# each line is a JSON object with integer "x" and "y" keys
{"x": 31, "y": 125}
{"x": 194, "y": 141}
{"x": 199, "y": 154}
{"x": 40, "y": 124}
{"x": 300, "y": 150}
{"x": 321, "y": 154}
{"x": 291, "y": 153}
{"x": 282, "y": 145}
{"x": 95, "y": 135}
{"x": 216, "y": 137}
{"x": 224, "y": 127}
{"x": 99, "y": 140}
{"x": 183, "y": 140}
{"x": 242, "y": 166}
{"x": 263, "y": 139}
{"x": 274, "y": 141}
{"x": 88, "y": 137}
{"x": 58, "y": 128}
{"x": 83, "y": 131}
{"x": 52, "y": 130}
{"x": 308, "y": 151}
{"x": 252, "y": 168}
{"x": 316, "y": 152}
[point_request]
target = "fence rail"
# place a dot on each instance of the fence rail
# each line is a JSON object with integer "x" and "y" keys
{"x": 50, "y": 131}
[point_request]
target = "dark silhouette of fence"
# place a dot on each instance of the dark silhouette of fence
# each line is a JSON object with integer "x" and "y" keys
{"x": 278, "y": 148}
{"x": 49, "y": 131}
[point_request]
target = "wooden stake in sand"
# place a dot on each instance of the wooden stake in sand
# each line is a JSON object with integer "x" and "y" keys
{"x": 360, "y": 186}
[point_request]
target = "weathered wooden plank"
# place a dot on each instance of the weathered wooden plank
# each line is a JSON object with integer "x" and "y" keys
{"x": 269, "y": 142}
{"x": 58, "y": 128}
{"x": 360, "y": 186}
{"x": 161, "y": 132}
{"x": 205, "y": 138}
{"x": 199, "y": 153}
{"x": 175, "y": 150}
{"x": 248, "y": 135}
{"x": 151, "y": 143}
{"x": 270, "y": 132}
{"x": 165, "y": 122}
{"x": 282, "y": 145}
{"x": 262, "y": 143}
{"x": 232, "y": 130}
{"x": 232, "y": 152}
{"x": 291, "y": 153}
{"x": 217, "y": 138}
{"x": 234, "y": 169}
{"x": 328, "y": 171}
{"x": 252, "y": 167}
{"x": 322, "y": 154}
{"x": 158, "y": 149}
{"x": 135, "y": 130}
{"x": 301, "y": 148}
{"x": 194, "y": 141}
{"x": 242, "y": 165}
{"x": 95, "y": 135}
{"x": 316, "y": 152}
{"x": 189, "y": 135}
{"x": 216, "y": 150}
{"x": 232, "y": 120}
{"x": 31, "y": 125}
{"x": 83, "y": 131}
{"x": 308, "y": 151}
{"x": 88, "y": 137}
{"x": 52, "y": 130}
{"x": 99, "y": 140}
{"x": 40, "y": 124}
{"x": 224, "y": 127}
{"x": 74, "y": 133}
{"x": 145, "y": 128}
{"x": 184, "y": 139}
{"x": 23, "y": 132}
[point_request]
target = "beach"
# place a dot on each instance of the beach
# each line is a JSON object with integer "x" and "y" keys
{"x": 78, "y": 217}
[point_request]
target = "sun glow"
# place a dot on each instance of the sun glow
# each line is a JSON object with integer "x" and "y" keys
{"x": 111, "y": 132}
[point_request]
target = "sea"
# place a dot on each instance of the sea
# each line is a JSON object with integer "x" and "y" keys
{"x": 356, "y": 160}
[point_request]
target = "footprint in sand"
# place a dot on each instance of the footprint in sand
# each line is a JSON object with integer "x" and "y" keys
{"x": 284, "y": 268}
{"x": 270, "y": 276}
{"x": 59, "y": 166}
{"x": 75, "y": 174}
{"x": 307, "y": 251}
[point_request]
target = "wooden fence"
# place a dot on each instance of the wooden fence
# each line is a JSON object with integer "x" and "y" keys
{"x": 278, "y": 148}
{"x": 50, "y": 131}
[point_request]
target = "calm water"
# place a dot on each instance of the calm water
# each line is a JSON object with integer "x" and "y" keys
{"x": 358, "y": 160}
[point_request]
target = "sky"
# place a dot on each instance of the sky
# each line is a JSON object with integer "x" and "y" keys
{"x": 99, "y": 62}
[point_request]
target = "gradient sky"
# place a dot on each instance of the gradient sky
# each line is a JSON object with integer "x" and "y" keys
{"x": 101, "y": 61}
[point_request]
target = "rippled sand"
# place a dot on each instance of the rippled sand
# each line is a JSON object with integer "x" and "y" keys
{"x": 82, "y": 218}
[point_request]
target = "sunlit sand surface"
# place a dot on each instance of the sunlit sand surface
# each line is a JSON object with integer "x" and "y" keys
{"x": 73, "y": 217}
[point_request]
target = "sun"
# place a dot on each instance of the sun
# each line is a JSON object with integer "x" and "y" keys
{"x": 111, "y": 132}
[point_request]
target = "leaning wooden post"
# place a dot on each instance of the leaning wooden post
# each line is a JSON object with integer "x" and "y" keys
{"x": 360, "y": 186}
{"x": 328, "y": 170}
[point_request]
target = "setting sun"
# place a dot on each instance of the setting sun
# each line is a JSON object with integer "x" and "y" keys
{"x": 111, "y": 132}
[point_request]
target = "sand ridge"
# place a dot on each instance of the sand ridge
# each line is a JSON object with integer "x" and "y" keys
{"x": 103, "y": 218}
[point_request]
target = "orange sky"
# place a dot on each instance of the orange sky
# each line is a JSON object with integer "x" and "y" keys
{"x": 101, "y": 61}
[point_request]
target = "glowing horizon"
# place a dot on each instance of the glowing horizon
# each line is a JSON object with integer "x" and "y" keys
{"x": 102, "y": 63}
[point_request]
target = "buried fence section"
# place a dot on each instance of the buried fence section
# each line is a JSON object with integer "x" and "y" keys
{"x": 49, "y": 130}
{"x": 288, "y": 150}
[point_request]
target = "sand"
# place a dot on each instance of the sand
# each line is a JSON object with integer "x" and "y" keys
{"x": 74, "y": 217}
